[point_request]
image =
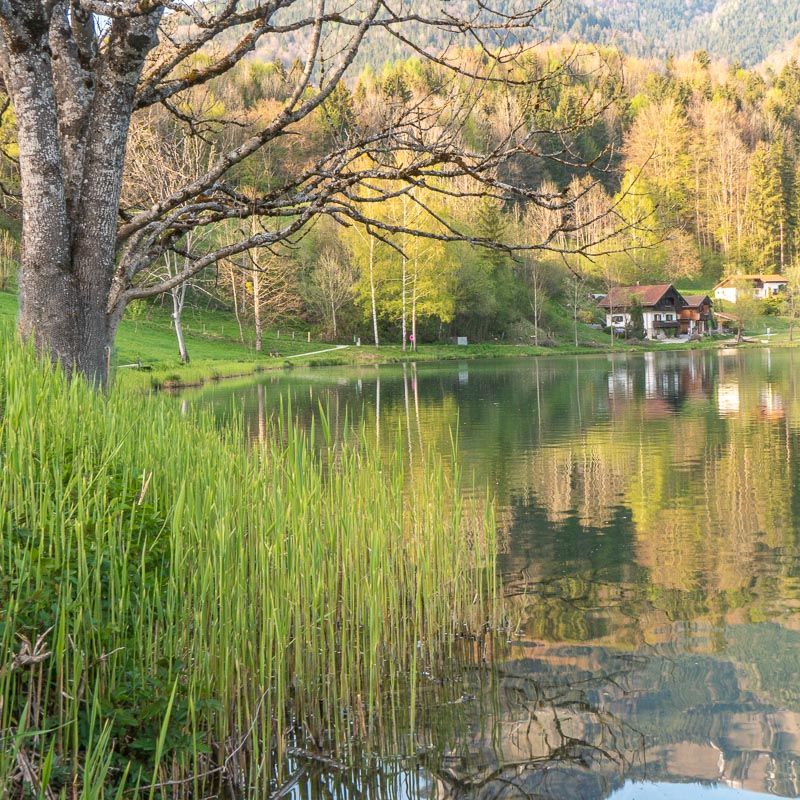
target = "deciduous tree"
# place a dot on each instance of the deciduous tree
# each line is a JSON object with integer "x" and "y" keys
{"x": 330, "y": 287}
{"x": 77, "y": 71}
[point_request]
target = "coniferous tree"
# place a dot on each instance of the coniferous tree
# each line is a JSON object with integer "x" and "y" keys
{"x": 766, "y": 209}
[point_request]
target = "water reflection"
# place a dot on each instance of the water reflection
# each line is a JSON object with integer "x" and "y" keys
{"x": 649, "y": 521}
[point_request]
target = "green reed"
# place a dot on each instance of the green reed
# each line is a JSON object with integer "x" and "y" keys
{"x": 179, "y": 611}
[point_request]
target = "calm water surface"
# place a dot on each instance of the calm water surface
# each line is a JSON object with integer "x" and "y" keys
{"x": 648, "y": 509}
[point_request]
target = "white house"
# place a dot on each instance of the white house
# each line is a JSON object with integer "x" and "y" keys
{"x": 661, "y": 306}
{"x": 763, "y": 286}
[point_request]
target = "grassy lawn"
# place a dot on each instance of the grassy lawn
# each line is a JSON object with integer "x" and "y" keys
{"x": 212, "y": 340}
{"x": 217, "y": 351}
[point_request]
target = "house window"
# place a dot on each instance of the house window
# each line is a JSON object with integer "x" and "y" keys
{"x": 669, "y": 317}
{"x": 617, "y": 319}
{"x": 657, "y": 317}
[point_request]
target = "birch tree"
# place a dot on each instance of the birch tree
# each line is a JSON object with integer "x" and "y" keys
{"x": 159, "y": 160}
{"x": 366, "y": 249}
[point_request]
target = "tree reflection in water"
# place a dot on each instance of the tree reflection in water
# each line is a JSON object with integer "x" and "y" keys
{"x": 515, "y": 737}
{"x": 544, "y": 740}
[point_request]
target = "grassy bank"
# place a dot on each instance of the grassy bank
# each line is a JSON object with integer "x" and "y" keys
{"x": 177, "y": 611}
{"x": 213, "y": 339}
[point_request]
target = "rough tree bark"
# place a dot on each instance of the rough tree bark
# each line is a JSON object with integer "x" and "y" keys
{"x": 72, "y": 131}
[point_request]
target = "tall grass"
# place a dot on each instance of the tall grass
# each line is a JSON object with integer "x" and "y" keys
{"x": 178, "y": 612}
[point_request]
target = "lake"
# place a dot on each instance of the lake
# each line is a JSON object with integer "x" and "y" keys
{"x": 648, "y": 509}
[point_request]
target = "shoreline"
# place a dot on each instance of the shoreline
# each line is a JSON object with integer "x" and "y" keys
{"x": 193, "y": 376}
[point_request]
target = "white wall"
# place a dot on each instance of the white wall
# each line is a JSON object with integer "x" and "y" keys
{"x": 730, "y": 293}
{"x": 725, "y": 293}
{"x": 649, "y": 319}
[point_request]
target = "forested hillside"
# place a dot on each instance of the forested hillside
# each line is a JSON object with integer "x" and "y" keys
{"x": 739, "y": 30}
{"x": 747, "y": 31}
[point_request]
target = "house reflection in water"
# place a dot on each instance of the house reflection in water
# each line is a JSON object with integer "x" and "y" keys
{"x": 663, "y": 381}
{"x": 728, "y": 399}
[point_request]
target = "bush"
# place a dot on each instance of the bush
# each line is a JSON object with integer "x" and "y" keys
{"x": 774, "y": 305}
{"x": 522, "y": 332}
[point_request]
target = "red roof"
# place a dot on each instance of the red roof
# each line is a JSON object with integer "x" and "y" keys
{"x": 623, "y": 296}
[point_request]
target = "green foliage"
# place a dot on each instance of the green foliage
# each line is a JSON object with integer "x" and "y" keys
{"x": 698, "y": 177}
{"x": 635, "y": 328}
{"x": 748, "y": 308}
{"x": 339, "y": 112}
{"x": 492, "y": 226}
{"x": 767, "y": 208}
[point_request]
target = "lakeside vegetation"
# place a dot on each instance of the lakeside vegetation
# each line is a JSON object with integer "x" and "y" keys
{"x": 177, "y": 609}
{"x": 700, "y": 181}
{"x": 146, "y": 356}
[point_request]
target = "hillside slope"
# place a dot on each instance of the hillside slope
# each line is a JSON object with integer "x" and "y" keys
{"x": 743, "y": 30}
{"x": 739, "y": 30}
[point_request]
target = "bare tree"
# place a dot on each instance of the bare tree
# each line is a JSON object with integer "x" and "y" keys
{"x": 536, "y": 285}
{"x": 171, "y": 266}
{"x": 274, "y": 291}
{"x": 573, "y": 291}
{"x": 330, "y": 288}
{"x": 77, "y": 71}
{"x": 159, "y": 161}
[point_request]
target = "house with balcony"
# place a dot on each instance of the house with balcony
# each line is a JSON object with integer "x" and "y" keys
{"x": 696, "y": 318}
{"x": 661, "y": 306}
{"x": 763, "y": 286}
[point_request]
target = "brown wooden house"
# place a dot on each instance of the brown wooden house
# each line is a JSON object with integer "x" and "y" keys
{"x": 696, "y": 317}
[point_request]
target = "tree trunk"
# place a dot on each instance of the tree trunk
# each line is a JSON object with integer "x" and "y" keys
{"x": 234, "y": 289}
{"x": 259, "y": 325}
{"x": 178, "y": 298}
{"x": 535, "y": 306}
{"x": 403, "y": 288}
{"x": 72, "y": 135}
{"x": 611, "y": 314}
{"x": 575, "y": 312}
{"x": 51, "y": 310}
{"x": 372, "y": 290}
{"x": 414, "y": 313}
